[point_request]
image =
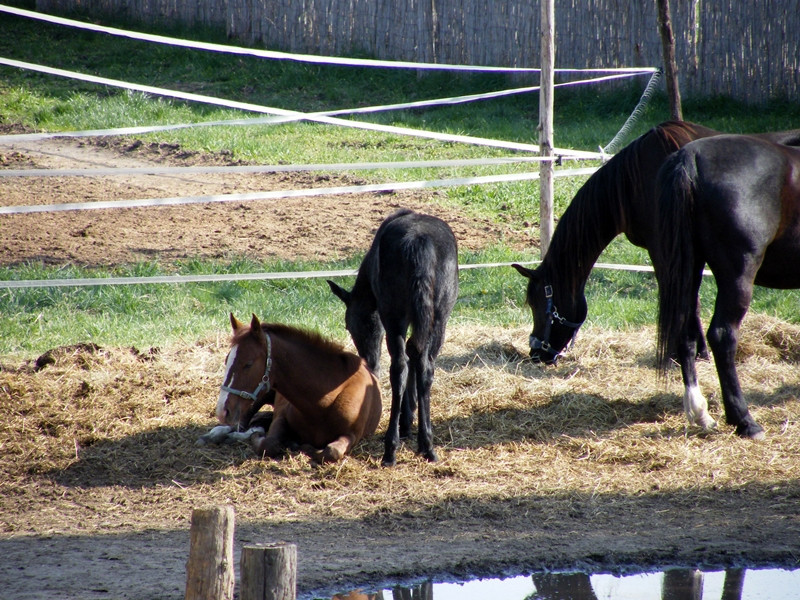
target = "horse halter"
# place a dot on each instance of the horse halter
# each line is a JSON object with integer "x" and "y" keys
{"x": 551, "y": 313}
{"x": 263, "y": 385}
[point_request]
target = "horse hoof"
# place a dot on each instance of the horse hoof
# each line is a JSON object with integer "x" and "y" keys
{"x": 430, "y": 456}
{"x": 705, "y": 422}
{"x": 752, "y": 431}
{"x": 388, "y": 461}
{"x": 328, "y": 455}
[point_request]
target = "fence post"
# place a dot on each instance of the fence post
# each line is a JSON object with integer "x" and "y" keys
{"x": 546, "y": 126}
{"x": 269, "y": 572}
{"x": 209, "y": 570}
{"x": 670, "y": 66}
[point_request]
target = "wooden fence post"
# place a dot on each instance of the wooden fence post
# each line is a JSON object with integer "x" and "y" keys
{"x": 670, "y": 66}
{"x": 209, "y": 571}
{"x": 546, "y": 168}
{"x": 269, "y": 572}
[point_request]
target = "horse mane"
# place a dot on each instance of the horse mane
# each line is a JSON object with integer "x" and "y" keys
{"x": 600, "y": 209}
{"x": 312, "y": 338}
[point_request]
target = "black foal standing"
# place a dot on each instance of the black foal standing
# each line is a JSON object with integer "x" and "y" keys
{"x": 408, "y": 278}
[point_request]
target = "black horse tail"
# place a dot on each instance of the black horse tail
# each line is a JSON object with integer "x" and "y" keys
{"x": 674, "y": 258}
{"x": 423, "y": 289}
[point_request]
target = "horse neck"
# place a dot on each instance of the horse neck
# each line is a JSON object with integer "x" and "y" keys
{"x": 300, "y": 370}
{"x": 617, "y": 198}
{"x": 363, "y": 292}
{"x": 589, "y": 224}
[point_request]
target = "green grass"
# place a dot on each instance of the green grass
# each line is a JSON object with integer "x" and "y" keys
{"x": 32, "y": 321}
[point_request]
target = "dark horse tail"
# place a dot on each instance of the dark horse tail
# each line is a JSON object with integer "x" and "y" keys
{"x": 422, "y": 283}
{"x": 675, "y": 256}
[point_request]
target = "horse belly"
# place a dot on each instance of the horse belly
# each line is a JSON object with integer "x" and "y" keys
{"x": 780, "y": 268}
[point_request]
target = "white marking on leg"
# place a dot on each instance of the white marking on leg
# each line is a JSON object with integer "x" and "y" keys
{"x": 223, "y": 395}
{"x": 241, "y": 436}
{"x": 695, "y": 406}
{"x": 216, "y": 436}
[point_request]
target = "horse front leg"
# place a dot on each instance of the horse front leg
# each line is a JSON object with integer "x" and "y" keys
{"x": 398, "y": 377}
{"x": 273, "y": 443}
{"x": 333, "y": 452}
{"x": 723, "y": 337}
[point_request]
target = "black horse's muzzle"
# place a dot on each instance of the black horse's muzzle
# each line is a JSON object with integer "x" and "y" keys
{"x": 541, "y": 349}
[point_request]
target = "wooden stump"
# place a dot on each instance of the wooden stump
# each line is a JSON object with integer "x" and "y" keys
{"x": 209, "y": 571}
{"x": 269, "y": 572}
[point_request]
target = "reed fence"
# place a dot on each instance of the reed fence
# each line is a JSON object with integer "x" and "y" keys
{"x": 744, "y": 49}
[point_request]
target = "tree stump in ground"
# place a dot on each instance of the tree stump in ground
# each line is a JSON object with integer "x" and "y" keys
{"x": 209, "y": 570}
{"x": 269, "y": 572}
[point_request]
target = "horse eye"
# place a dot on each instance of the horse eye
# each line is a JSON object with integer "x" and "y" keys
{"x": 248, "y": 364}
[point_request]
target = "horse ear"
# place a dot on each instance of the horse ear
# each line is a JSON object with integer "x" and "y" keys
{"x": 256, "y": 329}
{"x": 524, "y": 271}
{"x": 236, "y": 323}
{"x": 339, "y": 291}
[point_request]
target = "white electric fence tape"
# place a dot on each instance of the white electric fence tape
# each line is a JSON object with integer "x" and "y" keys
{"x": 277, "y": 194}
{"x": 176, "y": 279}
{"x": 310, "y": 58}
{"x": 317, "y": 117}
{"x": 288, "y": 119}
{"x": 246, "y": 169}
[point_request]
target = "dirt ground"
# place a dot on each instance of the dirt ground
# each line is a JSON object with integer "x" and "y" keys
{"x": 323, "y": 228}
{"x": 586, "y": 465}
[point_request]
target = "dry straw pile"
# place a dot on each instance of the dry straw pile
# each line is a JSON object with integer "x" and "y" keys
{"x": 97, "y": 438}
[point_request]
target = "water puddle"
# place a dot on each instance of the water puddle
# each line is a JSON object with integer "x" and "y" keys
{"x": 672, "y": 584}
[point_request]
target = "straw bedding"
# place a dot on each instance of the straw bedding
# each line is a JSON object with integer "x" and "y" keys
{"x": 592, "y": 456}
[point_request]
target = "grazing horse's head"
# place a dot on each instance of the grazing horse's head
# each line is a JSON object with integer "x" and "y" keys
{"x": 247, "y": 371}
{"x": 363, "y": 322}
{"x": 552, "y": 331}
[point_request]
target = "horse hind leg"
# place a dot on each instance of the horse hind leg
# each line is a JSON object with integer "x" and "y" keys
{"x": 408, "y": 406}
{"x": 691, "y": 345}
{"x": 695, "y": 405}
{"x": 425, "y": 429}
{"x": 701, "y": 348}
{"x": 398, "y": 377}
{"x": 424, "y": 361}
{"x": 723, "y": 337}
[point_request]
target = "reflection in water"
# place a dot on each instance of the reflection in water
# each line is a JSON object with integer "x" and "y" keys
{"x": 672, "y": 584}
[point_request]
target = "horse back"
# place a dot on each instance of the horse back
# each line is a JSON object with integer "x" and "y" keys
{"x": 732, "y": 195}
{"x": 744, "y": 185}
{"x": 417, "y": 267}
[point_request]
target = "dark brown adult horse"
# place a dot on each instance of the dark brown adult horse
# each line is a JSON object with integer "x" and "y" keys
{"x": 408, "y": 278}
{"x": 325, "y": 399}
{"x": 620, "y": 197}
{"x": 732, "y": 202}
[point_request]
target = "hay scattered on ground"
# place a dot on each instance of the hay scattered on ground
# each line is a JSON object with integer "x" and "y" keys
{"x": 99, "y": 438}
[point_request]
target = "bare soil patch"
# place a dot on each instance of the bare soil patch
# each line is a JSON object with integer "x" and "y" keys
{"x": 322, "y": 227}
{"x": 588, "y": 464}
